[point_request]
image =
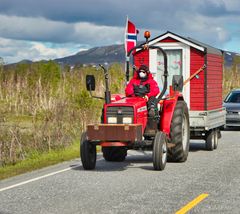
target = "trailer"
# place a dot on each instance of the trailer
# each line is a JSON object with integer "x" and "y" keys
{"x": 201, "y": 66}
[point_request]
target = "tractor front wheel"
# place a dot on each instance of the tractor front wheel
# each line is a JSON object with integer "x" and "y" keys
{"x": 113, "y": 153}
{"x": 159, "y": 151}
{"x": 179, "y": 133}
{"x": 88, "y": 153}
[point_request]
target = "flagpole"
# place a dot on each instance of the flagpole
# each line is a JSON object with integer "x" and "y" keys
{"x": 125, "y": 44}
{"x": 125, "y": 35}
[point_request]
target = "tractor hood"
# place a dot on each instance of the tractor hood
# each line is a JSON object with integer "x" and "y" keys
{"x": 135, "y": 102}
{"x": 131, "y": 110}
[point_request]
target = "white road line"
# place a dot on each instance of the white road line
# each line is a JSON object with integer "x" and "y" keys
{"x": 36, "y": 179}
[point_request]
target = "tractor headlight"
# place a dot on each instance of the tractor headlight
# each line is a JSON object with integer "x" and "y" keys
{"x": 127, "y": 120}
{"x": 112, "y": 120}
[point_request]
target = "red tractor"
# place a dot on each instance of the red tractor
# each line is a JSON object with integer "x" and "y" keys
{"x": 125, "y": 123}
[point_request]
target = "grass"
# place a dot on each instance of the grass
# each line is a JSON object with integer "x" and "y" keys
{"x": 37, "y": 161}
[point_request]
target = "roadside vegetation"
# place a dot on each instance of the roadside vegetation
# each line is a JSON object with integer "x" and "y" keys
{"x": 44, "y": 107}
{"x": 231, "y": 76}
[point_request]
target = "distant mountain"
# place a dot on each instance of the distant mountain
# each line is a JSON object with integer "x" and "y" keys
{"x": 229, "y": 58}
{"x": 25, "y": 61}
{"x": 116, "y": 53}
{"x": 109, "y": 54}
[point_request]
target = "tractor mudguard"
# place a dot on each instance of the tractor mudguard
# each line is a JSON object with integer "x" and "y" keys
{"x": 167, "y": 113}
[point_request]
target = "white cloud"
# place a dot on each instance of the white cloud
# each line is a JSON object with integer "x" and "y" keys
{"x": 14, "y": 50}
{"x": 41, "y": 51}
{"x": 210, "y": 30}
{"x": 36, "y": 29}
{"x": 55, "y": 28}
{"x": 41, "y": 29}
{"x": 38, "y": 38}
{"x": 232, "y": 5}
{"x": 95, "y": 34}
{"x": 223, "y": 35}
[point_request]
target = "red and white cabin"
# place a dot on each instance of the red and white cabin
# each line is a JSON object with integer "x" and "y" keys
{"x": 185, "y": 57}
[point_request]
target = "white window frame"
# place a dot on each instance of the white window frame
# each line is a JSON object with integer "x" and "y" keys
{"x": 185, "y": 63}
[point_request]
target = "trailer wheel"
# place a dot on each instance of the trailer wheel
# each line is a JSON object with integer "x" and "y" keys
{"x": 159, "y": 151}
{"x": 179, "y": 133}
{"x": 210, "y": 140}
{"x": 87, "y": 152}
{"x": 216, "y": 138}
{"x": 117, "y": 154}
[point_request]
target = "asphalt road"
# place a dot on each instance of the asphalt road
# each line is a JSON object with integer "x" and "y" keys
{"x": 132, "y": 186}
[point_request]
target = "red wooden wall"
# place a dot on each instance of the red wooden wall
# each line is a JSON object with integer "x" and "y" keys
{"x": 169, "y": 39}
{"x": 196, "y": 85}
{"x": 214, "y": 81}
{"x": 141, "y": 58}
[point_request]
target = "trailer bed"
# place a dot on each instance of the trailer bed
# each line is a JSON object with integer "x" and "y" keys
{"x": 207, "y": 120}
{"x": 204, "y": 122}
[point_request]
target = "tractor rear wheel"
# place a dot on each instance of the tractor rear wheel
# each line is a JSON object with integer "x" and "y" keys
{"x": 87, "y": 152}
{"x": 179, "y": 133}
{"x": 113, "y": 153}
{"x": 159, "y": 151}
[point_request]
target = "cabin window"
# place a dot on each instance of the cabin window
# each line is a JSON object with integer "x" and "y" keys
{"x": 174, "y": 65}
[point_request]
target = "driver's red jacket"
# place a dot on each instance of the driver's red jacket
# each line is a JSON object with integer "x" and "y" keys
{"x": 154, "y": 89}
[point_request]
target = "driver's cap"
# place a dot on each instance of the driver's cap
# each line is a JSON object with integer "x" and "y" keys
{"x": 143, "y": 68}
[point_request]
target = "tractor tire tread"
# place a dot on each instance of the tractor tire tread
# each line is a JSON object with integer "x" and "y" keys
{"x": 87, "y": 153}
{"x": 177, "y": 153}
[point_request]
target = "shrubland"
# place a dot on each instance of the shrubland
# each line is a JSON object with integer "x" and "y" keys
{"x": 231, "y": 76}
{"x": 44, "y": 107}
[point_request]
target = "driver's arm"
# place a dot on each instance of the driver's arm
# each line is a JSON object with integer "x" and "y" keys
{"x": 154, "y": 89}
{"x": 129, "y": 89}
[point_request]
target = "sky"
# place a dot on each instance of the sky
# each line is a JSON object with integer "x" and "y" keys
{"x": 49, "y": 29}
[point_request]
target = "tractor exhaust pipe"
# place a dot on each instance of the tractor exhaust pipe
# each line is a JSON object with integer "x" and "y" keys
{"x": 107, "y": 92}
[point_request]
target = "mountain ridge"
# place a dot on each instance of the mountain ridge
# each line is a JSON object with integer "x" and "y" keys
{"x": 96, "y": 55}
{"x": 108, "y": 54}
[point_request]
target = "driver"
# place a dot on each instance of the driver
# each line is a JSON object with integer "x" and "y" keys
{"x": 143, "y": 85}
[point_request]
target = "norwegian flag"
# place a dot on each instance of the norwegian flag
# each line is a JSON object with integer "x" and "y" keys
{"x": 130, "y": 36}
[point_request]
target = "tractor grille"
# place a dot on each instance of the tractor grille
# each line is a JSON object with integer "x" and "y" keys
{"x": 120, "y": 114}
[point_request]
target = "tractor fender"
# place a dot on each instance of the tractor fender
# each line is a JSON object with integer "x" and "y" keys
{"x": 168, "y": 108}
